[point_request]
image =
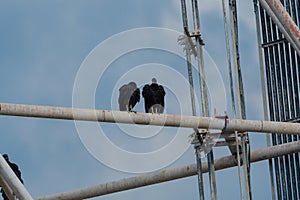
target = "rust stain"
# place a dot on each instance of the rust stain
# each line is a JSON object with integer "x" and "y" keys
{"x": 287, "y": 19}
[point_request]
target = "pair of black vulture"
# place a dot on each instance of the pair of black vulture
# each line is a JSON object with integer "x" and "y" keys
{"x": 16, "y": 170}
{"x": 154, "y": 97}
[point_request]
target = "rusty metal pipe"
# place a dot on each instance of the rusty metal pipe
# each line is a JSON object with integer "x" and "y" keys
{"x": 284, "y": 21}
{"x": 170, "y": 174}
{"x": 13, "y": 181}
{"x": 149, "y": 119}
{"x": 283, "y": 30}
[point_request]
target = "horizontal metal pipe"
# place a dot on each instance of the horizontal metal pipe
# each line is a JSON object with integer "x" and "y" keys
{"x": 284, "y": 21}
{"x": 171, "y": 174}
{"x": 149, "y": 119}
{"x": 13, "y": 181}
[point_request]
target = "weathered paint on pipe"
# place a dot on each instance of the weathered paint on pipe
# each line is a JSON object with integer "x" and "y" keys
{"x": 7, "y": 190}
{"x": 270, "y": 12}
{"x": 284, "y": 20}
{"x": 284, "y": 15}
{"x": 13, "y": 181}
{"x": 170, "y": 174}
{"x": 149, "y": 119}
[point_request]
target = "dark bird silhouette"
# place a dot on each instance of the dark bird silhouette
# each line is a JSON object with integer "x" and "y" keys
{"x": 129, "y": 96}
{"x": 154, "y": 96}
{"x": 16, "y": 170}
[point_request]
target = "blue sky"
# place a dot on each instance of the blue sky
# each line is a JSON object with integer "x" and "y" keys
{"x": 43, "y": 46}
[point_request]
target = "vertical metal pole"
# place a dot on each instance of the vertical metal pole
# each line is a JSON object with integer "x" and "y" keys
{"x": 263, "y": 88}
{"x": 260, "y": 56}
{"x": 190, "y": 74}
{"x": 188, "y": 56}
{"x": 245, "y": 164}
{"x": 276, "y": 138}
{"x": 281, "y": 112}
{"x": 239, "y": 164}
{"x": 13, "y": 181}
{"x": 199, "y": 172}
{"x": 287, "y": 108}
{"x": 229, "y": 59}
{"x": 189, "y": 66}
{"x": 204, "y": 97}
{"x": 236, "y": 55}
{"x": 200, "y": 59}
{"x": 240, "y": 91}
{"x": 268, "y": 51}
{"x": 292, "y": 106}
{"x": 184, "y": 14}
{"x": 211, "y": 171}
{"x": 232, "y": 97}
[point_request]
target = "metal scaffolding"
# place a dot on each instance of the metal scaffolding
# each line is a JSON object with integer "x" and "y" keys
{"x": 241, "y": 111}
{"x": 169, "y": 174}
{"x": 279, "y": 49}
{"x": 223, "y": 125}
{"x": 152, "y": 119}
{"x": 81, "y": 114}
{"x": 193, "y": 44}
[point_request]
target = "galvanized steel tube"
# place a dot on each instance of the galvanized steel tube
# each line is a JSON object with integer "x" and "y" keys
{"x": 13, "y": 181}
{"x": 228, "y": 59}
{"x": 263, "y": 88}
{"x": 7, "y": 190}
{"x": 149, "y": 119}
{"x": 170, "y": 174}
{"x": 192, "y": 92}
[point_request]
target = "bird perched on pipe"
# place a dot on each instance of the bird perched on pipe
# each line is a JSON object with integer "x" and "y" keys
{"x": 154, "y": 97}
{"x": 129, "y": 96}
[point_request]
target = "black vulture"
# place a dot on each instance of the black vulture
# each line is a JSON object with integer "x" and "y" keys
{"x": 154, "y": 96}
{"x": 129, "y": 96}
{"x": 16, "y": 170}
